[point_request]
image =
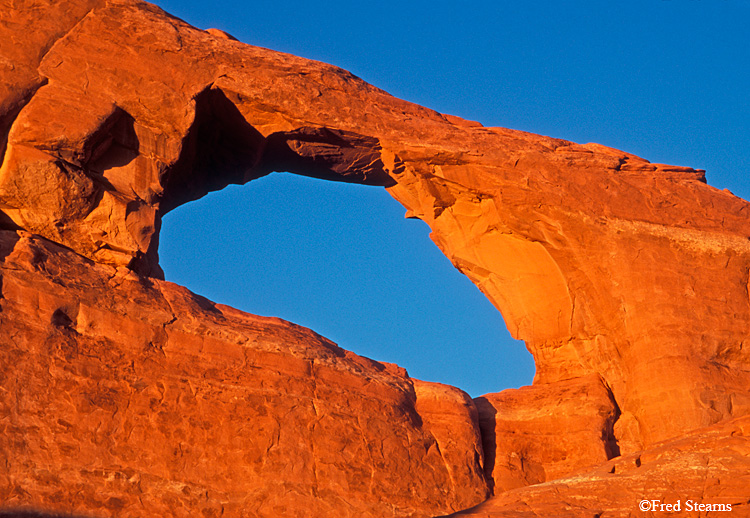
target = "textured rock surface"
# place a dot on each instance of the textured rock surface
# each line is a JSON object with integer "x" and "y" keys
{"x": 627, "y": 280}
{"x": 602, "y": 262}
{"x": 546, "y": 431}
{"x": 133, "y": 397}
{"x": 709, "y": 468}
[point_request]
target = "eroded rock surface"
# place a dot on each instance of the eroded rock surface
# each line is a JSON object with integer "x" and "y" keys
{"x": 127, "y": 396}
{"x": 546, "y": 431}
{"x": 627, "y": 280}
{"x": 704, "y": 473}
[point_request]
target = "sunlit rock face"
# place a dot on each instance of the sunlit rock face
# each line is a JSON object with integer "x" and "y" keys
{"x": 627, "y": 280}
{"x": 703, "y": 473}
{"x": 543, "y": 432}
{"x": 128, "y": 396}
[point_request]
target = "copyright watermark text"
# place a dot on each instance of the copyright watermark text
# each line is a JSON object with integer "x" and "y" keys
{"x": 679, "y": 506}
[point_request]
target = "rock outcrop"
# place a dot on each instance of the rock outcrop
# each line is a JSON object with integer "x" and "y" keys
{"x": 128, "y": 396}
{"x": 704, "y": 473}
{"x": 123, "y": 394}
{"x": 539, "y": 433}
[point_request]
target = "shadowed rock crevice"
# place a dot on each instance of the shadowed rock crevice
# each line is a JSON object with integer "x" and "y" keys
{"x": 609, "y": 435}
{"x": 9, "y": 110}
{"x": 486, "y": 413}
{"x": 220, "y": 149}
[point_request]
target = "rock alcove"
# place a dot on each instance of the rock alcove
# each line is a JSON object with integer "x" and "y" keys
{"x": 627, "y": 280}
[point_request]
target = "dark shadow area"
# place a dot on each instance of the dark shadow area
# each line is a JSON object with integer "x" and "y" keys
{"x": 611, "y": 446}
{"x": 115, "y": 144}
{"x": 8, "y": 240}
{"x": 487, "y": 415}
{"x": 203, "y": 303}
{"x": 220, "y": 149}
{"x": 61, "y": 319}
{"x": 6, "y": 223}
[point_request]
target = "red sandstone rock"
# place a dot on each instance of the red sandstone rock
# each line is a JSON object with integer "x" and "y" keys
{"x": 602, "y": 262}
{"x": 134, "y": 397}
{"x": 547, "y": 431}
{"x": 708, "y": 468}
{"x": 113, "y": 113}
{"x": 451, "y": 417}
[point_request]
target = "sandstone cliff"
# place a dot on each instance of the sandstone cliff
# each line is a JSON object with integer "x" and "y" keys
{"x": 128, "y": 396}
{"x": 125, "y": 395}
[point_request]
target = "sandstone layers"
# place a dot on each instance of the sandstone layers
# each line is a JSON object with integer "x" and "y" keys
{"x": 124, "y": 395}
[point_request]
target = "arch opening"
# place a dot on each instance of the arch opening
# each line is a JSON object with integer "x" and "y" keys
{"x": 341, "y": 259}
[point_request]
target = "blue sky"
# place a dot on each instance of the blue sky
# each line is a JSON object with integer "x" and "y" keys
{"x": 664, "y": 79}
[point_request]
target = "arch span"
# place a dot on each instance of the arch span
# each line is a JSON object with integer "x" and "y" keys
{"x": 611, "y": 265}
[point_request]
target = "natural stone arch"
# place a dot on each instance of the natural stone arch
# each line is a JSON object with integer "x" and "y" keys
{"x": 605, "y": 258}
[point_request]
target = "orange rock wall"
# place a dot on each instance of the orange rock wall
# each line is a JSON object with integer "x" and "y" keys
{"x": 610, "y": 268}
{"x": 126, "y": 396}
{"x": 547, "y": 431}
{"x": 705, "y": 473}
{"x": 602, "y": 262}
